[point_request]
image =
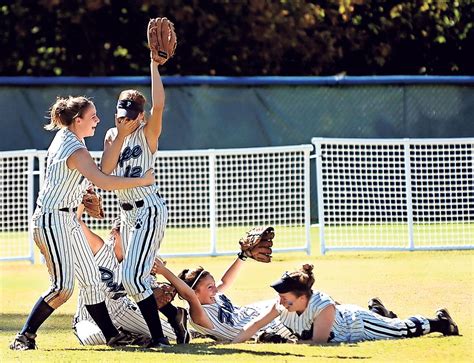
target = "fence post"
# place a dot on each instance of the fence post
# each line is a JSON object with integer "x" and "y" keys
{"x": 406, "y": 145}
{"x": 212, "y": 201}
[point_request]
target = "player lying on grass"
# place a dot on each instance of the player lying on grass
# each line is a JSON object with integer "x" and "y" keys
{"x": 123, "y": 311}
{"x": 316, "y": 318}
{"x": 214, "y": 315}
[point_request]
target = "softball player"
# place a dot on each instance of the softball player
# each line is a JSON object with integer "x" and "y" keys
{"x": 211, "y": 312}
{"x": 143, "y": 211}
{"x": 315, "y": 317}
{"x": 56, "y": 230}
{"x": 123, "y": 311}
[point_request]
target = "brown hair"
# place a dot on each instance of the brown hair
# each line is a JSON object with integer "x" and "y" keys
{"x": 305, "y": 277}
{"x": 192, "y": 277}
{"x": 134, "y": 95}
{"x": 65, "y": 110}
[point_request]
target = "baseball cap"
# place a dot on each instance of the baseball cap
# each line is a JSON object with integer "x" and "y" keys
{"x": 286, "y": 284}
{"x": 129, "y": 109}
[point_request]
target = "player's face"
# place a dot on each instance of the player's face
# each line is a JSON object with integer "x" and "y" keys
{"x": 88, "y": 121}
{"x": 291, "y": 302}
{"x": 206, "y": 290}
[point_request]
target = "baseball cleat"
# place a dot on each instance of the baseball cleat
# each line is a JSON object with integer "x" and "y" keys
{"x": 375, "y": 305}
{"x": 179, "y": 325}
{"x": 24, "y": 341}
{"x": 121, "y": 339}
{"x": 443, "y": 314}
{"x": 159, "y": 343}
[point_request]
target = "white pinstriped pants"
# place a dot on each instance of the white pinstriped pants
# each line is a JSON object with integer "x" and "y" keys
{"x": 60, "y": 239}
{"x": 127, "y": 316}
{"x": 142, "y": 230}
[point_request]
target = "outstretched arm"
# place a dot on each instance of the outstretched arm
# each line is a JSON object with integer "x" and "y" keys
{"x": 153, "y": 126}
{"x": 251, "y": 329}
{"x": 196, "y": 310}
{"x": 94, "y": 241}
{"x": 230, "y": 275}
{"x": 82, "y": 161}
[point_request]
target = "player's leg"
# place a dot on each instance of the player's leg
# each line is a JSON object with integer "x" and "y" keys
{"x": 51, "y": 237}
{"x": 139, "y": 256}
{"x": 89, "y": 333}
{"x": 375, "y": 305}
{"x": 92, "y": 295}
{"x": 130, "y": 318}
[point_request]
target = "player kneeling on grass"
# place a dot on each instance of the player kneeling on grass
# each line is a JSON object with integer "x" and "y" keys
{"x": 123, "y": 311}
{"x": 316, "y": 318}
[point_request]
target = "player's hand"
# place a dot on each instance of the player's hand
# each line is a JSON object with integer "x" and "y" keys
{"x": 125, "y": 126}
{"x": 149, "y": 177}
{"x": 158, "y": 266}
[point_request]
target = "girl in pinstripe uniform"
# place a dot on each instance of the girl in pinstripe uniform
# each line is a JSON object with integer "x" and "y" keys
{"x": 143, "y": 211}
{"x": 123, "y": 311}
{"x": 211, "y": 312}
{"x": 56, "y": 230}
{"x": 316, "y": 318}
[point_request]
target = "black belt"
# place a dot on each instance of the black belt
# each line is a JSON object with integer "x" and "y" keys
{"x": 68, "y": 209}
{"x": 130, "y": 206}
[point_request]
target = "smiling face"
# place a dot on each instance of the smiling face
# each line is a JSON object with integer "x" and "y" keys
{"x": 86, "y": 124}
{"x": 206, "y": 290}
{"x": 291, "y": 302}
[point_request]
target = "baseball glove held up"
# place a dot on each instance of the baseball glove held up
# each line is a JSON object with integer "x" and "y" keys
{"x": 161, "y": 39}
{"x": 257, "y": 244}
{"x": 93, "y": 204}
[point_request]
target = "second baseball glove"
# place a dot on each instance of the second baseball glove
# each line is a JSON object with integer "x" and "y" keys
{"x": 257, "y": 244}
{"x": 161, "y": 39}
{"x": 164, "y": 293}
{"x": 93, "y": 204}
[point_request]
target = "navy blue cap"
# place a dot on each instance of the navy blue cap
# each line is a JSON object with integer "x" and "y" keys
{"x": 287, "y": 284}
{"x": 129, "y": 109}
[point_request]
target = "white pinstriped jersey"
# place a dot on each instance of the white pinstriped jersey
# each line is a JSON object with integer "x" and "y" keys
{"x": 62, "y": 186}
{"x": 122, "y": 310}
{"x": 229, "y": 319}
{"x": 352, "y": 323}
{"x": 134, "y": 160}
{"x": 111, "y": 283}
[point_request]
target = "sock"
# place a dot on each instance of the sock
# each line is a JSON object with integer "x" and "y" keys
{"x": 40, "y": 312}
{"x": 438, "y": 325}
{"x": 170, "y": 311}
{"x": 149, "y": 311}
{"x": 101, "y": 316}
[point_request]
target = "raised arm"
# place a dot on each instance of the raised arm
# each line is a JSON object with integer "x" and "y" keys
{"x": 253, "y": 327}
{"x": 153, "y": 126}
{"x": 196, "y": 310}
{"x": 82, "y": 161}
{"x": 230, "y": 275}
{"x": 94, "y": 241}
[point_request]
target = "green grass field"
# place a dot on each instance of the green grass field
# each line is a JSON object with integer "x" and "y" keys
{"x": 407, "y": 282}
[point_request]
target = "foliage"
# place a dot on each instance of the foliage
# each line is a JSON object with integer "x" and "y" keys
{"x": 239, "y": 37}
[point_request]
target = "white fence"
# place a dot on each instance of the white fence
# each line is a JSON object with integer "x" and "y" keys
{"x": 214, "y": 197}
{"x": 395, "y": 194}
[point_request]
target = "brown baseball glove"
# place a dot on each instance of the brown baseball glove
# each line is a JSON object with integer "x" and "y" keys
{"x": 164, "y": 293}
{"x": 93, "y": 204}
{"x": 257, "y": 244}
{"x": 161, "y": 39}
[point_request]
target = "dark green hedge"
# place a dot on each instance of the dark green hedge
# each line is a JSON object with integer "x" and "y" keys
{"x": 239, "y": 38}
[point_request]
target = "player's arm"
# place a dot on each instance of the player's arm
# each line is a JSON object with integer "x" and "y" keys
{"x": 113, "y": 143}
{"x": 255, "y": 325}
{"x": 154, "y": 124}
{"x": 196, "y": 310}
{"x": 230, "y": 275}
{"x": 95, "y": 242}
{"x": 82, "y": 161}
{"x": 322, "y": 326}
